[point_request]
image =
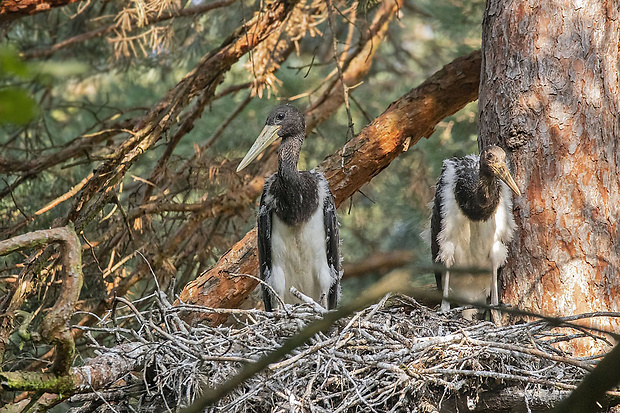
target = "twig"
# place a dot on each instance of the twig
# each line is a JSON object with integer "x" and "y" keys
{"x": 592, "y": 389}
{"x": 264, "y": 284}
{"x": 308, "y": 300}
{"x": 190, "y": 11}
{"x": 345, "y": 87}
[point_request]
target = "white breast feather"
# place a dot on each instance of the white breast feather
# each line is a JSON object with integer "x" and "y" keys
{"x": 299, "y": 257}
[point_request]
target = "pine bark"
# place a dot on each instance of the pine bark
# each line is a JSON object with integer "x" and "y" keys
{"x": 550, "y": 95}
{"x": 14, "y": 9}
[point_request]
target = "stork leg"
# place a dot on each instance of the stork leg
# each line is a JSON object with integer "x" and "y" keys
{"x": 267, "y": 299}
{"x": 495, "y": 315}
{"x": 445, "y": 279}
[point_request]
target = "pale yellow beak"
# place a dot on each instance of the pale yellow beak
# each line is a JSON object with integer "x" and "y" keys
{"x": 267, "y": 136}
{"x": 502, "y": 172}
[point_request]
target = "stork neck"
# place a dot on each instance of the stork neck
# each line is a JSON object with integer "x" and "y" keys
{"x": 487, "y": 196}
{"x": 487, "y": 190}
{"x": 296, "y": 193}
{"x": 288, "y": 156}
{"x": 480, "y": 200}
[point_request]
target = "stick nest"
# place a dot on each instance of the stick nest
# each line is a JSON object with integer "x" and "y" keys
{"x": 396, "y": 355}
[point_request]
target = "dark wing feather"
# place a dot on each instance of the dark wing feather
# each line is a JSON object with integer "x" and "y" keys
{"x": 264, "y": 245}
{"x": 436, "y": 226}
{"x": 332, "y": 245}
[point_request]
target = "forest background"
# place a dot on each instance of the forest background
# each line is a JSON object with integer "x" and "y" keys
{"x": 93, "y": 88}
{"x": 128, "y": 119}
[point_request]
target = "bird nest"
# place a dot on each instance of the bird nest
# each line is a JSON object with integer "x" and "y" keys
{"x": 396, "y": 355}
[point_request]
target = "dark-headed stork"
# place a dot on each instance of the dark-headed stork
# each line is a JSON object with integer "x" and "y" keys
{"x": 472, "y": 223}
{"x": 297, "y": 224}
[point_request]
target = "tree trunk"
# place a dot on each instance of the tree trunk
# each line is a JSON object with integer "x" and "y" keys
{"x": 550, "y": 94}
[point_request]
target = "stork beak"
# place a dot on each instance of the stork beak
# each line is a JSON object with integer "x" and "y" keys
{"x": 502, "y": 172}
{"x": 267, "y": 136}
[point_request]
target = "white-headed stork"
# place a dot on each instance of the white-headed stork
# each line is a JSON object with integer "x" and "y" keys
{"x": 472, "y": 223}
{"x": 297, "y": 224}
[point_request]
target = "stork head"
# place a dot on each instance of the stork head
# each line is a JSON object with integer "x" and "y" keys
{"x": 493, "y": 163}
{"x": 284, "y": 121}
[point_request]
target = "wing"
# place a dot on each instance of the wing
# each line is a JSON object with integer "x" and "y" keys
{"x": 264, "y": 245}
{"x": 436, "y": 228}
{"x": 332, "y": 245}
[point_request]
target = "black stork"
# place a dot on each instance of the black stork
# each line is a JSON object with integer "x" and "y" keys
{"x": 472, "y": 223}
{"x": 297, "y": 223}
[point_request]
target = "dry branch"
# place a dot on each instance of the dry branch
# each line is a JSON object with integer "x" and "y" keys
{"x": 54, "y": 326}
{"x": 76, "y": 148}
{"x": 406, "y": 121}
{"x": 97, "y": 372}
{"x": 356, "y": 66}
{"x": 150, "y": 129}
{"x": 190, "y": 11}
{"x": 14, "y": 9}
{"x": 393, "y": 355}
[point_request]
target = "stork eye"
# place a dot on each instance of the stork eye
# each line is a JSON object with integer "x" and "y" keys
{"x": 280, "y": 116}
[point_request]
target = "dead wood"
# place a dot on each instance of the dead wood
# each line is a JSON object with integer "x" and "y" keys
{"x": 11, "y": 10}
{"x": 395, "y": 355}
{"x": 166, "y": 15}
{"x": 150, "y": 129}
{"x": 95, "y": 374}
{"x": 404, "y": 123}
{"x": 54, "y": 327}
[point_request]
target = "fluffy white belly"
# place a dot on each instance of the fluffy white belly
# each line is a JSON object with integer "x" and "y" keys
{"x": 299, "y": 259}
{"x": 465, "y": 243}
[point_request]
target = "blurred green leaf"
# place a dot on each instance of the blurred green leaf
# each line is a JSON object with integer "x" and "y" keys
{"x": 60, "y": 69}
{"x": 11, "y": 64}
{"x": 16, "y": 106}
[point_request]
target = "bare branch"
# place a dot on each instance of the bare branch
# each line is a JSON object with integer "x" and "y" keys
{"x": 354, "y": 68}
{"x": 190, "y": 11}
{"x": 162, "y": 116}
{"x": 11, "y": 10}
{"x": 587, "y": 397}
{"x": 54, "y": 326}
{"x": 95, "y": 374}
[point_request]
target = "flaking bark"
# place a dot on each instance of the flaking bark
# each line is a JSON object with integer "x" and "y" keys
{"x": 550, "y": 94}
{"x": 14, "y": 9}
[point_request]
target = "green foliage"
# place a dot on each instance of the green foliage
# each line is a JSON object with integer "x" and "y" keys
{"x": 16, "y": 105}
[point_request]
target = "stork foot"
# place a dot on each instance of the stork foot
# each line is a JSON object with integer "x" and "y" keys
{"x": 445, "y": 306}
